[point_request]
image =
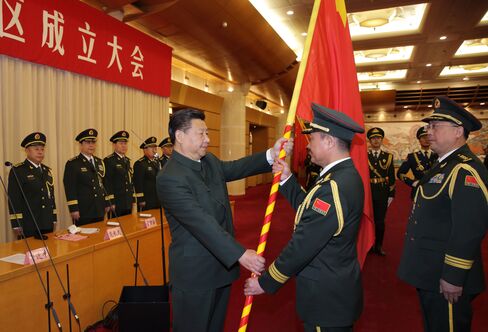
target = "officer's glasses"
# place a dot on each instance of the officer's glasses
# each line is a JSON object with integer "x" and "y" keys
{"x": 434, "y": 126}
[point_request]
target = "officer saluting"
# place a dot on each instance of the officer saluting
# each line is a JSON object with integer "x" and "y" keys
{"x": 36, "y": 181}
{"x": 145, "y": 171}
{"x": 441, "y": 255}
{"x": 382, "y": 178}
{"x": 167, "y": 149}
{"x": 419, "y": 162}
{"x": 83, "y": 182}
{"x": 118, "y": 175}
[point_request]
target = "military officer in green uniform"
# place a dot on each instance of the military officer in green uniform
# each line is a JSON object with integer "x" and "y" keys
{"x": 419, "y": 162}
{"x": 36, "y": 181}
{"x": 382, "y": 180}
{"x": 83, "y": 182}
{"x": 145, "y": 171}
{"x": 204, "y": 257}
{"x": 322, "y": 251}
{"x": 167, "y": 150}
{"x": 118, "y": 175}
{"x": 449, "y": 219}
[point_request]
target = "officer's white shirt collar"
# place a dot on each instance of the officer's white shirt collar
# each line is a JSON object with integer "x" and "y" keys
{"x": 118, "y": 154}
{"x": 332, "y": 164}
{"x": 447, "y": 155}
{"x": 88, "y": 157}
{"x": 34, "y": 164}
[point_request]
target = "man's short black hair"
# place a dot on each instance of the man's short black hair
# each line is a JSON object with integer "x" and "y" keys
{"x": 181, "y": 120}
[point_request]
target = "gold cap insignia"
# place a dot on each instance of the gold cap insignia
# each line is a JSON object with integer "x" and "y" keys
{"x": 124, "y": 134}
{"x": 37, "y": 136}
{"x": 90, "y": 132}
{"x": 375, "y": 130}
{"x": 153, "y": 139}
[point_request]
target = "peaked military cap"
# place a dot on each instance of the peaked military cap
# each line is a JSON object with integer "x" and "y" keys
{"x": 332, "y": 122}
{"x": 446, "y": 109}
{"x": 421, "y": 132}
{"x": 375, "y": 132}
{"x": 36, "y": 138}
{"x": 87, "y": 134}
{"x": 120, "y": 136}
{"x": 166, "y": 141}
{"x": 151, "y": 141}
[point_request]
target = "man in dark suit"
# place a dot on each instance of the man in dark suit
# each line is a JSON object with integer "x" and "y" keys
{"x": 145, "y": 171}
{"x": 118, "y": 175}
{"x": 36, "y": 182}
{"x": 167, "y": 150}
{"x": 322, "y": 251}
{"x": 442, "y": 250}
{"x": 83, "y": 182}
{"x": 419, "y": 162}
{"x": 382, "y": 178}
{"x": 204, "y": 257}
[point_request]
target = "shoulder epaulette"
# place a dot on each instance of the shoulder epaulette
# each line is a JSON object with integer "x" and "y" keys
{"x": 141, "y": 159}
{"x": 46, "y": 166}
{"x": 74, "y": 158}
{"x": 463, "y": 158}
{"x": 19, "y": 164}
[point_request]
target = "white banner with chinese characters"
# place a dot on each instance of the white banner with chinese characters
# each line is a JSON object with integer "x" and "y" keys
{"x": 70, "y": 35}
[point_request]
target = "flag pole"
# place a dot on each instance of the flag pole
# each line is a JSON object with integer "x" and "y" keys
{"x": 290, "y": 120}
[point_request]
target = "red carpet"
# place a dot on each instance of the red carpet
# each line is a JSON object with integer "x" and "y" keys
{"x": 389, "y": 304}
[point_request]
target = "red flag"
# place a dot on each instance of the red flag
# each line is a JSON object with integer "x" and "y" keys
{"x": 330, "y": 79}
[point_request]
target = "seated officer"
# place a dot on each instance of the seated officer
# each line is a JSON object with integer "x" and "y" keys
{"x": 382, "y": 178}
{"x": 118, "y": 175}
{"x": 442, "y": 250}
{"x": 145, "y": 171}
{"x": 419, "y": 162}
{"x": 167, "y": 149}
{"x": 36, "y": 182}
{"x": 83, "y": 182}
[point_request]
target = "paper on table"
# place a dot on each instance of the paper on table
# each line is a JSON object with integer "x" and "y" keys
{"x": 87, "y": 230}
{"x": 15, "y": 259}
{"x": 71, "y": 237}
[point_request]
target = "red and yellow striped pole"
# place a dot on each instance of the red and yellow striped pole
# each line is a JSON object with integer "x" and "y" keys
{"x": 290, "y": 120}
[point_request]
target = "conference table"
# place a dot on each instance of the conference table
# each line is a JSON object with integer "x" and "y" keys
{"x": 98, "y": 269}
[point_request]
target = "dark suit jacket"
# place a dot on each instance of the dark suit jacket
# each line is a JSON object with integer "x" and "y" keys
{"x": 38, "y": 188}
{"x": 322, "y": 250}
{"x": 203, "y": 252}
{"x": 448, "y": 222}
{"x": 83, "y": 185}
{"x": 419, "y": 164}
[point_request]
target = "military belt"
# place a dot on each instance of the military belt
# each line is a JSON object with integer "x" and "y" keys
{"x": 378, "y": 180}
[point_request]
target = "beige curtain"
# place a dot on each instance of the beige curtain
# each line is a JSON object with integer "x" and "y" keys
{"x": 61, "y": 104}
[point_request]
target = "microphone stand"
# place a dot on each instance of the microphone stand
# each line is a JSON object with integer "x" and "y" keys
{"x": 49, "y": 305}
{"x": 65, "y": 293}
{"x": 136, "y": 264}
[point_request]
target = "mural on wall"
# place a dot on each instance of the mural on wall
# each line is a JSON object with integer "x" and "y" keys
{"x": 400, "y": 138}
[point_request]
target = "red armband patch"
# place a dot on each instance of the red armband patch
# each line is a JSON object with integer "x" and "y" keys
{"x": 470, "y": 181}
{"x": 320, "y": 206}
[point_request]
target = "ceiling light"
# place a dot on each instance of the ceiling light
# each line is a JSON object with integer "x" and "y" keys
{"x": 290, "y": 12}
{"x": 482, "y": 103}
{"x": 443, "y": 37}
{"x": 484, "y": 20}
{"x": 405, "y": 106}
{"x": 282, "y": 111}
{"x": 383, "y": 55}
{"x": 304, "y": 34}
{"x": 472, "y": 47}
{"x": 382, "y": 75}
{"x": 418, "y": 82}
{"x": 430, "y": 105}
{"x": 428, "y": 65}
{"x": 386, "y": 22}
{"x": 465, "y": 78}
{"x": 474, "y": 69}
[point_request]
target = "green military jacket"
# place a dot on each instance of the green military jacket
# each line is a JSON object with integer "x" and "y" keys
{"x": 382, "y": 175}
{"x": 448, "y": 222}
{"x": 118, "y": 181}
{"x": 203, "y": 252}
{"x": 145, "y": 171}
{"x": 83, "y": 185}
{"x": 322, "y": 251}
{"x": 38, "y": 187}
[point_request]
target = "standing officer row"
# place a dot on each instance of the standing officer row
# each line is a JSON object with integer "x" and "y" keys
{"x": 92, "y": 186}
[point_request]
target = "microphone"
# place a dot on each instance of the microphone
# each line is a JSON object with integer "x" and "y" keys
{"x": 66, "y": 295}
{"x": 50, "y": 304}
{"x": 136, "y": 264}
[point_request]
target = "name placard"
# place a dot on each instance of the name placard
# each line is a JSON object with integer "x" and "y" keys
{"x": 150, "y": 222}
{"x": 112, "y": 233}
{"x": 39, "y": 255}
